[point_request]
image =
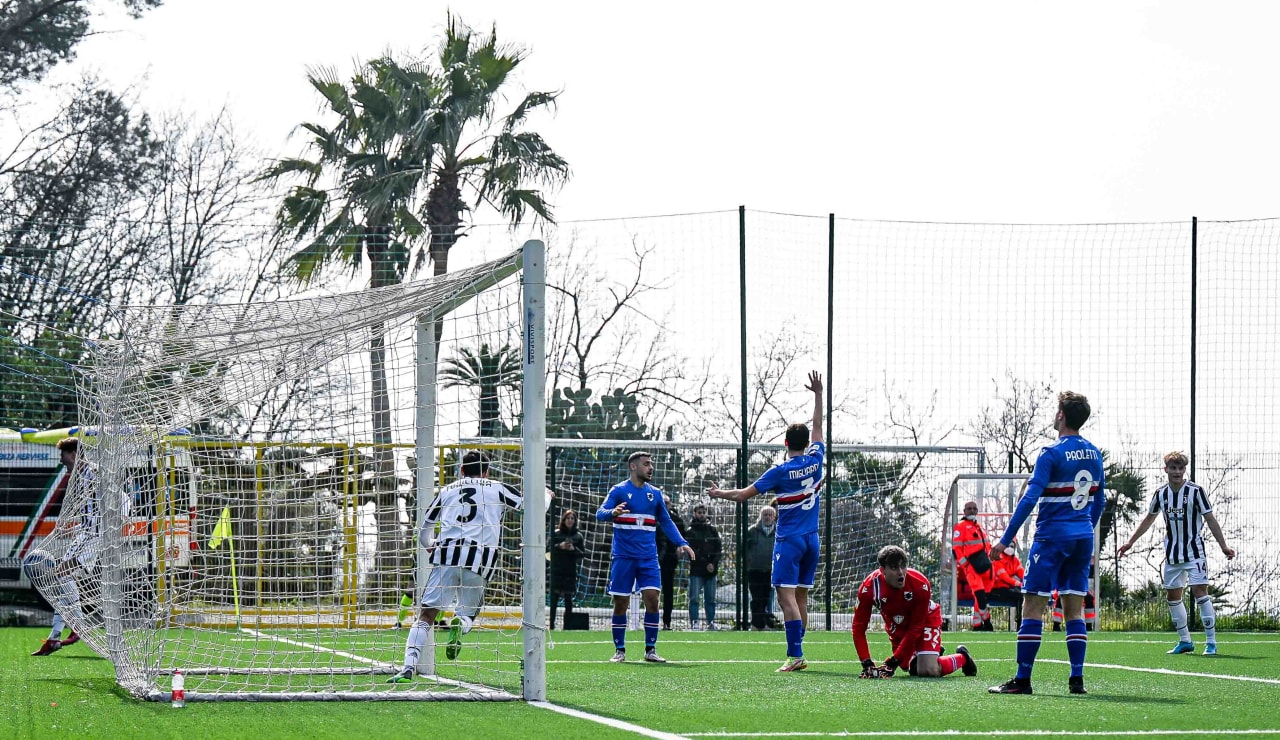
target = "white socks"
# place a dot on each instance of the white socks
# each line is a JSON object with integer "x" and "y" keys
{"x": 1207, "y": 617}
{"x": 55, "y": 632}
{"x": 415, "y": 642}
{"x": 1178, "y": 611}
{"x": 68, "y": 602}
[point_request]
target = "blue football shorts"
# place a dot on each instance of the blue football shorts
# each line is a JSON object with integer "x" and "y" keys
{"x": 795, "y": 560}
{"x": 1059, "y": 565}
{"x": 629, "y": 575}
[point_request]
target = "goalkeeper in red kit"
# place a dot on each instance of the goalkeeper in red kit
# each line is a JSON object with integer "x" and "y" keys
{"x": 912, "y": 618}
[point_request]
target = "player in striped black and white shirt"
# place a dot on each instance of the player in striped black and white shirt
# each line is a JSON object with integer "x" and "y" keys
{"x": 1186, "y": 510}
{"x": 464, "y": 553}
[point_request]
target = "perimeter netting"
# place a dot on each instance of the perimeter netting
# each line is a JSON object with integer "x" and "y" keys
{"x": 246, "y": 502}
{"x": 879, "y": 495}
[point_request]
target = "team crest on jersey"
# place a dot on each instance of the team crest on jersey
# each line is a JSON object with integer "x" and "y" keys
{"x": 909, "y": 595}
{"x": 897, "y": 619}
{"x": 650, "y": 496}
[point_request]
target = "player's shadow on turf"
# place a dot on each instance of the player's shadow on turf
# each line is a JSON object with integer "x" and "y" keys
{"x": 1219, "y": 657}
{"x": 1119, "y": 698}
{"x": 89, "y": 684}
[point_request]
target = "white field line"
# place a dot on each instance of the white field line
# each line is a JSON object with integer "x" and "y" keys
{"x": 1166, "y": 671}
{"x": 362, "y": 659}
{"x": 1163, "y": 671}
{"x": 609, "y": 721}
{"x": 845, "y": 640}
{"x": 991, "y": 733}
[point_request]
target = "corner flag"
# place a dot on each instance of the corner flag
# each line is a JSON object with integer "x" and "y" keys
{"x": 221, "y": 530}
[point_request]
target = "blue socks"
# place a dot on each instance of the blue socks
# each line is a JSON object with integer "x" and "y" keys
{"x": 1028, "y": 646}
{"x": 795, "y": 638}
{"x": 1077, "y": 642}
{"x": 650, "y": 630}
{"x": 620, "y": 631}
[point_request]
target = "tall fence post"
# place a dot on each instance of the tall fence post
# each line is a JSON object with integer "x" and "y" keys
{"x": 831, "y": 312}
{"x": 741, "y": 524}
{"x": 1194, "y": 265}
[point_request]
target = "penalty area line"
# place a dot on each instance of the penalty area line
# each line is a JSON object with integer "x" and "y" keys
{"x": 617, "y": 724}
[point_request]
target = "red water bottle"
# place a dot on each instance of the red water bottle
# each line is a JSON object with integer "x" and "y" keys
{"x": 179, "y": 690}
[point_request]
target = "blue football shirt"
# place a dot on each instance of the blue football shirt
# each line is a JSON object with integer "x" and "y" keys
{"x": 795, "y": 482}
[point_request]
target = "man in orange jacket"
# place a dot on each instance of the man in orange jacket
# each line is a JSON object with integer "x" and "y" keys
{"x": 970, "y": 547}
{"x": 1006, "y": 576}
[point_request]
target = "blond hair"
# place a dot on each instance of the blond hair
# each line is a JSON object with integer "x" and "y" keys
{"x": 1177, "y": 456}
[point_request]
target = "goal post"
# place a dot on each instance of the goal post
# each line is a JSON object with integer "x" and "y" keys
{"x": 268, "y": 548}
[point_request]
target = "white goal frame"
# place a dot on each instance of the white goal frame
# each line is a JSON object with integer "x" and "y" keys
{"x": 139, "y": 666}
{"x": 996, "y": 505}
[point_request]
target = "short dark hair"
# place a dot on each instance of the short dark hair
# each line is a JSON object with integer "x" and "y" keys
{"x": 891, "y": 555}
{"x": 475, "y": 463}
{"x": 69, "y": 444}
{"x": 1074, "y": 408}
{"x": 797, "y": 437}
{"x": 636, "y": 456}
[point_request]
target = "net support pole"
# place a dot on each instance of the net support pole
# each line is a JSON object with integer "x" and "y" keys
{"x": 534, "y": 480}
{"x": 826, "y": 499}
{"x": 424, "y": 450}
{"x": 1195, "y": 223}
{"x": 741, "y": 513}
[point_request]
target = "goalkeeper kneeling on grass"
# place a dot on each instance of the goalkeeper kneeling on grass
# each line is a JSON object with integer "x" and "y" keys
{"x": 904, "y": 598}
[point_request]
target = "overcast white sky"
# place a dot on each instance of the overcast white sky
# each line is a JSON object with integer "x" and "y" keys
{"x": 995, "y": 111}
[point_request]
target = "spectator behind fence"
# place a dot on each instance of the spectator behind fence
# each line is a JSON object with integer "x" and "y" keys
{"x": 705, "y": 541}
{"x": 759, "y": 547}
{"x": 668, "y": 559}
{"x": 567, "y": 548}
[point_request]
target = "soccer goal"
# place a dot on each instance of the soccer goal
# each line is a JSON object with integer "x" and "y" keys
{"x": 246, "y": 504}
{"x": 996, "y": 495}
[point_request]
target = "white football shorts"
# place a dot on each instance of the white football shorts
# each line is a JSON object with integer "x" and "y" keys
{"x": 1180, "y": 575}
{"x": 448, "y": 585}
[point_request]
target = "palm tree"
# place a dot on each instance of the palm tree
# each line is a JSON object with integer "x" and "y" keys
{"x": 483, "y": 157}
{"x": 490, "y": 372}
{"x": 358, "y": 201}
{"x": 404, "y": 131}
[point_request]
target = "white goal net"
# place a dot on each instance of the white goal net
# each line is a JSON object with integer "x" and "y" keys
{"x": 251, "y": 479}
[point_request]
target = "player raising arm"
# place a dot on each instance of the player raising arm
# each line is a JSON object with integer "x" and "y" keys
{"x": 795, "y": 549}
{"x": 904, "y": 598}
